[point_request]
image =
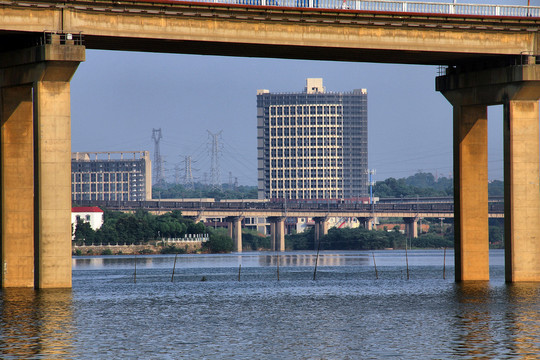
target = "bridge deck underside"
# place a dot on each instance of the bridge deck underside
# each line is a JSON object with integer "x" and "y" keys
{"x": 274, "y": 32}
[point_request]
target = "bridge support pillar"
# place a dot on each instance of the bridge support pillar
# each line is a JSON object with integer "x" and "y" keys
{"x": 518, "y": 89}
{"x": 235, "y": 231}
{"x": 521, "y": 191}
{"x": 277, "y": 233}
{"x": 411, "y": 227}
{"x": 35, "y": 164}
{"x": 321, "y": 229}
{"x": 368, "y": 223}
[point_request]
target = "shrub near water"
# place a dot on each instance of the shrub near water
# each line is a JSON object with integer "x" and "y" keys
{"x": 218, "y": 242}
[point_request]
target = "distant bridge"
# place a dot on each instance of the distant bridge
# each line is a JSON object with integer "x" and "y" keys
{"x": 235, "y": 211}
{"x": 440, "y": 208}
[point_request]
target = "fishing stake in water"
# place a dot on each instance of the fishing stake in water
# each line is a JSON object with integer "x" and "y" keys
{"x": 174, "y": 266}
{"x": 277, "y": 261}
{"x": 444, "y": 265}
{"x": 135, "y": 273}
{"x": 239, "y": 270}
{"x": 407, "y": 261}
{"x": 375, "y": 265}
{"x": 316, "y": 260}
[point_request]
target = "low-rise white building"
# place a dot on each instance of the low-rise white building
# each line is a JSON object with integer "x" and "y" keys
{"x": 89, "y": 214}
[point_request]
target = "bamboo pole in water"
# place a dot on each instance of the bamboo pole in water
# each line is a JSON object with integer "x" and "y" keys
{"x": 135, "y": 273}
{"x": 174, "y": 266}
{"x": 375, "y": 265}
{"x": 239, "y": 270}
{"x": 444, "y": 265}
{"x": 316, "y": 260}
{"x": 407, "y": 261}
{"x": 277, "y": 261}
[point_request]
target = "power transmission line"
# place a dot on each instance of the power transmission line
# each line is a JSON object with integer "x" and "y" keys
{"x": 188, "y": 175}
{"x": 214, "y": 168}
{"x": 158, "y": 161}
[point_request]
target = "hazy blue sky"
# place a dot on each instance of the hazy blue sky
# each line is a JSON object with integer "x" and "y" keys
{"x": 118, "y": 97}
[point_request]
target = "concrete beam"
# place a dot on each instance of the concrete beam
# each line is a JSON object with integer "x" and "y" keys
{"x": 278, "y": 32}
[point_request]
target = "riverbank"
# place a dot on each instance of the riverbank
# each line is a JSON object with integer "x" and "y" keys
{"x": 190, "y": 247}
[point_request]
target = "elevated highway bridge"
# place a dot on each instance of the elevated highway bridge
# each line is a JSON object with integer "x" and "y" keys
{"x": 277, "y": 212}
{"x": 247, "y": 208}
{"x": 489, "y": 55}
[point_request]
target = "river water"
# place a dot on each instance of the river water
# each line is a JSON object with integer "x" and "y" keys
{"x": 128, "y": 308}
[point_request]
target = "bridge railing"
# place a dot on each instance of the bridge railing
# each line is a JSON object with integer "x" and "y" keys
{"x": 246, "y": 207}
{"x": 397, "y": 6}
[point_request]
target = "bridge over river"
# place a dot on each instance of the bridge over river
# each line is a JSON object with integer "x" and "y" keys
{"x": 488, "y": 53}
{"x": 235, "y": 211}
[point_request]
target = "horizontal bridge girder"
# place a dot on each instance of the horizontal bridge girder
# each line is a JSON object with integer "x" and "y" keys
{"x": 278, "y": 32}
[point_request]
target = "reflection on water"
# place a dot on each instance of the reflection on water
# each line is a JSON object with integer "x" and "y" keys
{"x": 310, "y": 259}
{"x": 345, "y": 313}
{"x": 524, "y": 321}
{"x": 489, "y": 316}
{"x": 36, "y": 324}
{"x": 228, "y": 260}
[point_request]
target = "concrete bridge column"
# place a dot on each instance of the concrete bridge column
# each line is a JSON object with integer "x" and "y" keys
{"x": 36, "y": 164}
{"x": 470, "y": 92}
{"x": 368, "y": 223}
{"x": 411, "y": 227}
{"x": 235, "y": 231}
{"x": 470, "y": 194}
{"x": 17, "y": 187}
{"x": 522, "y": 190}
{"x": 277, "y": 232}
{"x": 321, "y": 229}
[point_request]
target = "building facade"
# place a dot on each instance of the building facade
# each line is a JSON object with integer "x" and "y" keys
{"x": 90, "y": 214}
{"x": 114, "y": 175}
{"x": 312, "y": 144}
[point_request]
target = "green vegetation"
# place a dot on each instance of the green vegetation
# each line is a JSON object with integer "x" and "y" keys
{"x": 420, "y": 184}
{"x": 253, "y": 241}
{"x": 424, "y": 185}
{"x": 143, "y": 227}
{"x": 362, "y": 239}
{"x": 496, "y": 233}
{"x": 219, "y": 242}
{"x": 177, "y": 191}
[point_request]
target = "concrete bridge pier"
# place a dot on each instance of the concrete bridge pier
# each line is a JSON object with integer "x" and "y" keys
{"x": 517, "y": 88}
{"x": 35, "y": 163}
{"x": 277, "y": 232}
{"x": 321, "y": 229}
{"x": 235, "y": 231}
{"x": 411, "y": 226}
{"x": 368, "y": 223}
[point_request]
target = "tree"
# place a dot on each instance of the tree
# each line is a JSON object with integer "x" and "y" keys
{"x": 83, "y": 232}
{"x": 420, "y": 184}
{"x": 252, "y": 240}
{"x": 219, "y": 243}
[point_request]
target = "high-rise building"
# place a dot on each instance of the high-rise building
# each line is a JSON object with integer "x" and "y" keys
{"x": 113, "y": 175}
{"x": 312, "y": 144}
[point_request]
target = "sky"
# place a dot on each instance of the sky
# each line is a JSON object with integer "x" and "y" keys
{"x": 117, "y": 98}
